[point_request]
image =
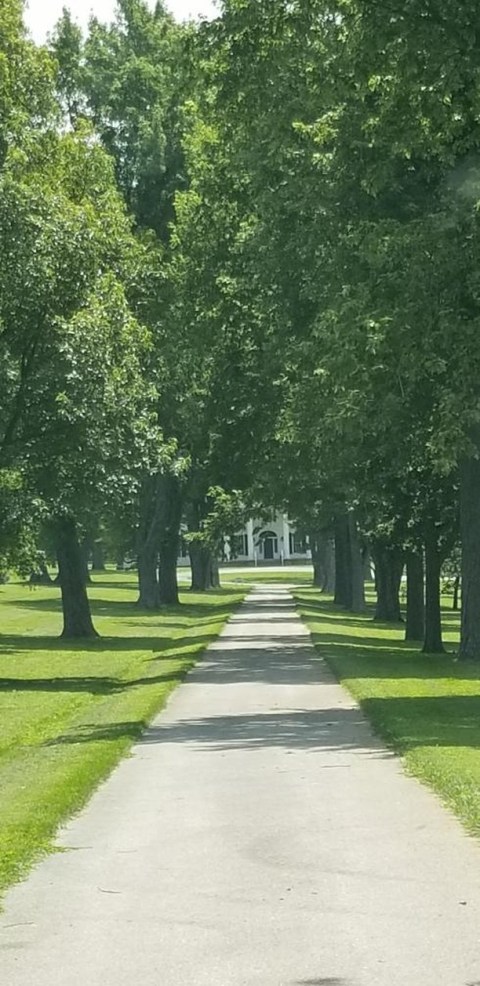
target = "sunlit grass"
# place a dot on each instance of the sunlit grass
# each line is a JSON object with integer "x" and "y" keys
{"x": 426, "y": 707}
{"x": 292, "y": 576}
{"x": 69, "y": 711}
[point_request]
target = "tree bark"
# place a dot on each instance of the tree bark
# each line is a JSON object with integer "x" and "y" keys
{"x": 201, "y": 567}
{"x": 149, "y": 589}
{"x": 318, "y": 579}
{"x": 215, "y": 573}
{"x": 147, "y": 544}
{"x": 388, "y": 578}
{"x": 433, "y": 643}
{"x": 98, "y": 557}
{"x": 357, "y": 602}
{"x": 415, "y": 622}
{"x": 343, "y": 581}
{"x": 329, "y": 583}
{"x": 77, "y": 620}
{"x": 349, "y": 582}
{"x": 323, "y": 559}
{"x": 86, "y": 548}
{"x": 171, "y": 517}
{"x": 167, "y": 573}
{"x": 470, "y": 539}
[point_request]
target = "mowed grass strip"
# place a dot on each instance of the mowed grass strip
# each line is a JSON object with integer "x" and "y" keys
{"x": 270, "y": 575}
{"x": 70, "y": 711}
{"x": 427, "y": 708}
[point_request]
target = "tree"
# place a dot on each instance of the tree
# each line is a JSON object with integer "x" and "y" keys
{"x": 365, "y": 160}
{"x": 129, "y": 78}
{"x": 73, "y": 400}
{"x": 225, "y": 514}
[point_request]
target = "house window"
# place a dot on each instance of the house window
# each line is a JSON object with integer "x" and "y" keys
{"x": 239, "y": 545}
{"x": 298, "y": 544}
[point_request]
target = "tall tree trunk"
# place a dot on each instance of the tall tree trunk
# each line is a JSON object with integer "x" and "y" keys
{"x": 470, "y": 538}
{"x": 388, "y": 579}
{"x": 169, "y": 543}
{"x": 433, "y": 643}
{"x": 357, "y": 602}
{"x": 317, "y": 545}
{"x": 349, "y": 582}
{"x": 323, "y": 559}
{"x": 201, "y": 567}
{"x": 98, "y": 557}
{"x": 86, "y": 549}
{"x": 167, "y": 573}
{"x": 329, "y": 583}
{"x": 147, "y": 544}
{"x": 343, "y": 574}
{"x": 77, "y": 620}
{"x": 215, "y": 573}
{"x": 149, "y": 590}
{"x": 415, "y": 622}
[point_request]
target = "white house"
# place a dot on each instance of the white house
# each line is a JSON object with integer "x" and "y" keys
{"x": 261, "y": 542}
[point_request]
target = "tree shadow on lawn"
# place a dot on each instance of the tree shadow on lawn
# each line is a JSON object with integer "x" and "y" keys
{"x": 443, "y": 721}
{"x": 92, "y": 685}
{"x": 13, "y": 645}
{"x": 358, "y": 642}
{"x": 354, "y": 657}
{"x": 324, "y": 609}
{"x": 117, "y": 609}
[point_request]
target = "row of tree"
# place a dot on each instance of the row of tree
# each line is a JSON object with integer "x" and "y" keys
{"x": 242, "y": 256}
{"x": 121, "y": 388}
{"x": 343, "y": 178}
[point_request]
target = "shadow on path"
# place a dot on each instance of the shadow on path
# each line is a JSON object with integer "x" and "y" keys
{"x": 332, "y": 729}
{"x": 325, "y": 982}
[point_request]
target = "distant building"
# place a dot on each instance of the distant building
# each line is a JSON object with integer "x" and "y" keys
{"x": 263, "y": 542}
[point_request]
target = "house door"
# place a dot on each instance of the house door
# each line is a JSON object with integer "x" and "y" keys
{"x": 268, "y": 552}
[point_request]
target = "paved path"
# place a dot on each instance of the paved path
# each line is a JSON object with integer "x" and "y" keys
{"x": 259, "y": 836}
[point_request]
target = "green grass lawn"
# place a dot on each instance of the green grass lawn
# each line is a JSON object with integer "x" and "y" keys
{"x": 425, "y": 707}
{"x": 280, "y": 575}
{"x": 69, "y": 711}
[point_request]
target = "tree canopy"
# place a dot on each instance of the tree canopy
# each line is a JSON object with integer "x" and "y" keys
{"x": 240, "y": 267}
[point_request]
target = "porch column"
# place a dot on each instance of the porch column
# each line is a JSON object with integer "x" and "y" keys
{"x": 250, "y": 544}
{"x": 286, "y": 537}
